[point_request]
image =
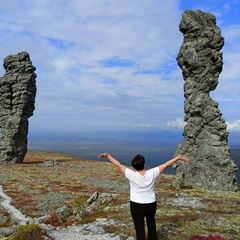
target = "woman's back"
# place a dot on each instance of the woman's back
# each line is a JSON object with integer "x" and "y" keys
{"x": 142, "y": 186}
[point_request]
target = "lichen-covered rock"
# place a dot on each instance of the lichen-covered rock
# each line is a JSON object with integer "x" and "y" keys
{"x": 205, "y": 140}
{"x": 17, "y": 100}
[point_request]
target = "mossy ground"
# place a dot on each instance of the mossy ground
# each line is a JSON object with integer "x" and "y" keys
{"x": 37, "y": 190}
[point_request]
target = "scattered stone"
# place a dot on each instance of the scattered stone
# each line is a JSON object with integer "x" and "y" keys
{"x": 186, "y": 201}
{"x": 51, "y": 163}
{"x": 3, "y": 219}
{"x": 163, "y": 232}
{"x": 93, "y": 203}
{"x": 91, "y": 231}
{"x": 205, "y": 140}
{"x": 7, "y": 231}
{"x": 93, "y": 198}
{"x": 63, "y": 212}
{"x": 130, "y": 238}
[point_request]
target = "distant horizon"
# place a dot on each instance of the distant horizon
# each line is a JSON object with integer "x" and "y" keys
{"x": 233, "y": 137}
{"x": 156, "y": 147}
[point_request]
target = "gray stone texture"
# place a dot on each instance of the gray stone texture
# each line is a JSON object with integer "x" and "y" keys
{"x": 17, "y": 100}
{"x": 205, "y": 134}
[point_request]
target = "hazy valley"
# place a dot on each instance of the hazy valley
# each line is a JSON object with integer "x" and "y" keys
{"x": 157, "y": 146}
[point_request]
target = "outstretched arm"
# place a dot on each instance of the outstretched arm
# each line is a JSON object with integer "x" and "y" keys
{"x": 163, "y": 166}
{"x": 114, "y": 161}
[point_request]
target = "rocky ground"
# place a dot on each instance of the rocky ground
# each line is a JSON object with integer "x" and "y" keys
{"x": 85, "y": 199}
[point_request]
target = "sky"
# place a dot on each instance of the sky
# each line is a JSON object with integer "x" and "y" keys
{"x": 106, "y": 65}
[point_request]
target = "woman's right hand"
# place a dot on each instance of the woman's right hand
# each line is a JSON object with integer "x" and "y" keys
{"x": 103, "y": 155}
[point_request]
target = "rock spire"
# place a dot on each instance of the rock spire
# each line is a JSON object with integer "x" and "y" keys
{"x": 17, "y": 100}
{"x": 205, "y": 134}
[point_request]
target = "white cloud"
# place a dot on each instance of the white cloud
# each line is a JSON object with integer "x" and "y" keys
{"x": 177, "y": 123}
{"x": 235, "y": 126}
{"x": 142, "y": 125}
{"x": 72, "y": 43}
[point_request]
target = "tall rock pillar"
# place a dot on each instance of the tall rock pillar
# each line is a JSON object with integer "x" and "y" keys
{"x": 205, "y": 140}
{"x": 17, "y": 100}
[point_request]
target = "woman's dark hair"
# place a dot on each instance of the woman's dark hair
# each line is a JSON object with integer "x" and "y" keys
{"x": 138, "y": 162}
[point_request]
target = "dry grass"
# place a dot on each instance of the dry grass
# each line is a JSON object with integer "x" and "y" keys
{"x": 29, "y": 183}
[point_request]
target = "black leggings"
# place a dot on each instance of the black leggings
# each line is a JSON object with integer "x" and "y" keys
{"x": 139, "y": 211}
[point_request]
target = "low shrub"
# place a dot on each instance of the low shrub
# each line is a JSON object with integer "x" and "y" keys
{"x": 80, "y": 201}
{"x": 53, "y": 219}
{"x": 30, "y": 231}
{"x": 209, "y": 237}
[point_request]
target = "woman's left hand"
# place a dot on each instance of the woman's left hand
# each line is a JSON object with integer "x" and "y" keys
{"x": 181, "y": 157}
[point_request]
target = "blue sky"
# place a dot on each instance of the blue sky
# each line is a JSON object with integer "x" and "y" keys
{"x": 111, "y": 64}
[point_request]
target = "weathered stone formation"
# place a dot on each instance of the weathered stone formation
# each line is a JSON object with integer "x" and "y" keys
{"x": 17, "y": 99}
{"x": 205, "y": 140}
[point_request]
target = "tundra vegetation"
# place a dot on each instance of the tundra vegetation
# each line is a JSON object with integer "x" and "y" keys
{"x": 183, "y": 213}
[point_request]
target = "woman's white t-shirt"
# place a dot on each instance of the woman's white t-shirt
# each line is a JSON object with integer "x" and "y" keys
{"x": 142, "y": 186}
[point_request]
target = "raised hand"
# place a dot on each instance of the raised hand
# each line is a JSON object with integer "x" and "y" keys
{"x": 103, "y": 155}
{"x": 182, "y": 158}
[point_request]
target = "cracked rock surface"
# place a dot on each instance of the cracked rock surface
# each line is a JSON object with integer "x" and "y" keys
{"x": 205, "y": 134}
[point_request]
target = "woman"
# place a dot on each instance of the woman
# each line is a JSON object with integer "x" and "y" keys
{"x": 142, "y": 196}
